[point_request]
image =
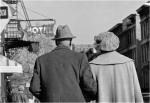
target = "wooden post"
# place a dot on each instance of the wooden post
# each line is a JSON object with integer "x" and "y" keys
{"x": 1, "y": 52}
{"x": 1, "y": 75}
{"x": 0, "y": 89}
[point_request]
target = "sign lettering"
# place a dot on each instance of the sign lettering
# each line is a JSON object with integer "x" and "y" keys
{"x": 4, "y": 12}
{"x": 45, "y": 29}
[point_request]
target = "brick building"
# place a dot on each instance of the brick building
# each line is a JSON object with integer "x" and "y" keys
{"x": 129, "y": 34}
{"x": 134, "y": 35}
{"x": 144, "y": 13}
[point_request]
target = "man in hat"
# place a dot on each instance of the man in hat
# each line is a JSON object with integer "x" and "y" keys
{"x": 63, "y": 75}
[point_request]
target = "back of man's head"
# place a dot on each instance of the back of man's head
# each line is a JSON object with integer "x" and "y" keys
{"x": 64, "y": 42}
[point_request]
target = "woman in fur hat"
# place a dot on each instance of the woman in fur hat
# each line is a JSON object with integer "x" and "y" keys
{"x": 115, "y": 73}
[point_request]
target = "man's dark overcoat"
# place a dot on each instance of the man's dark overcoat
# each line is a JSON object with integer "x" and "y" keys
{"x": 63, "y": 76}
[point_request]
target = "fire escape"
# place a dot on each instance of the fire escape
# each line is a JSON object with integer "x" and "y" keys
{"x": 13, "y": 34}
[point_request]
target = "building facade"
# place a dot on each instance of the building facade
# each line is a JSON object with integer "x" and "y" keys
{"x": 144, "y": 13}
{"x": 129, "y": 34}
{"x": 134, "y": 35}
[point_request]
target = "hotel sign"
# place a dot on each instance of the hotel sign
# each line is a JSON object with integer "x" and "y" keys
{"x": 44, "y": 29}
{"x": 3, "y": 12}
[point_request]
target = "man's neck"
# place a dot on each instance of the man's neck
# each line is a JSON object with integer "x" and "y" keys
{"x": 64, "y": 46}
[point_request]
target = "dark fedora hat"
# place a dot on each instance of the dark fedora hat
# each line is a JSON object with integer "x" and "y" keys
{"x": 63, "y": 32}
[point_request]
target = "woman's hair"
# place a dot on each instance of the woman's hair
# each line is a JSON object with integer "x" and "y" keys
{"x": 106, "y": 41}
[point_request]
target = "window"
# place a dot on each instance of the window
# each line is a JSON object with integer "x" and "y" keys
{"x": 142, "y": 31}
{"x": 134, "y": 54}
{"x": 147, "y": 29}
{"x": 129, "y": 37}
{"x": 145, "y": 53}
{"x": 133, "y": 33}
{"x": 142, "y": 54}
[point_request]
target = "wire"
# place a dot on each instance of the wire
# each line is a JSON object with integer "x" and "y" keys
{"x": 21, "y": 14}
{"x": 25, "y": 12}
{"x": 20, "y": 11}
{"x": 37, "y": 13}
{"x": 34, "y": 11}
{"x": 40, "y": 14}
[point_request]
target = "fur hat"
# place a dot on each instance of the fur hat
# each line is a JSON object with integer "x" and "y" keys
{"x": 107, "y": 41}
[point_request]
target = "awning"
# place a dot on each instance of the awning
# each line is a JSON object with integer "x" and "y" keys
{"x": 9, "y": 66}
{"x": 16, "y": 43}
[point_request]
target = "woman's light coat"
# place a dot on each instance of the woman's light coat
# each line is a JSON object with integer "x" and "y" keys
{"x": 117, "y": 78}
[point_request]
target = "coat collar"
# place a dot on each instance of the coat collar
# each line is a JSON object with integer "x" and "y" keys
{"x": 61, "y": 47}
{"x": 110, "y": 58}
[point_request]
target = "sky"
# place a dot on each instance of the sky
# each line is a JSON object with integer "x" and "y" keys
{"x": 86, "y": 18}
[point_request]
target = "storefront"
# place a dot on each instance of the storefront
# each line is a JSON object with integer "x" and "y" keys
{"x": 7, "y": 66}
